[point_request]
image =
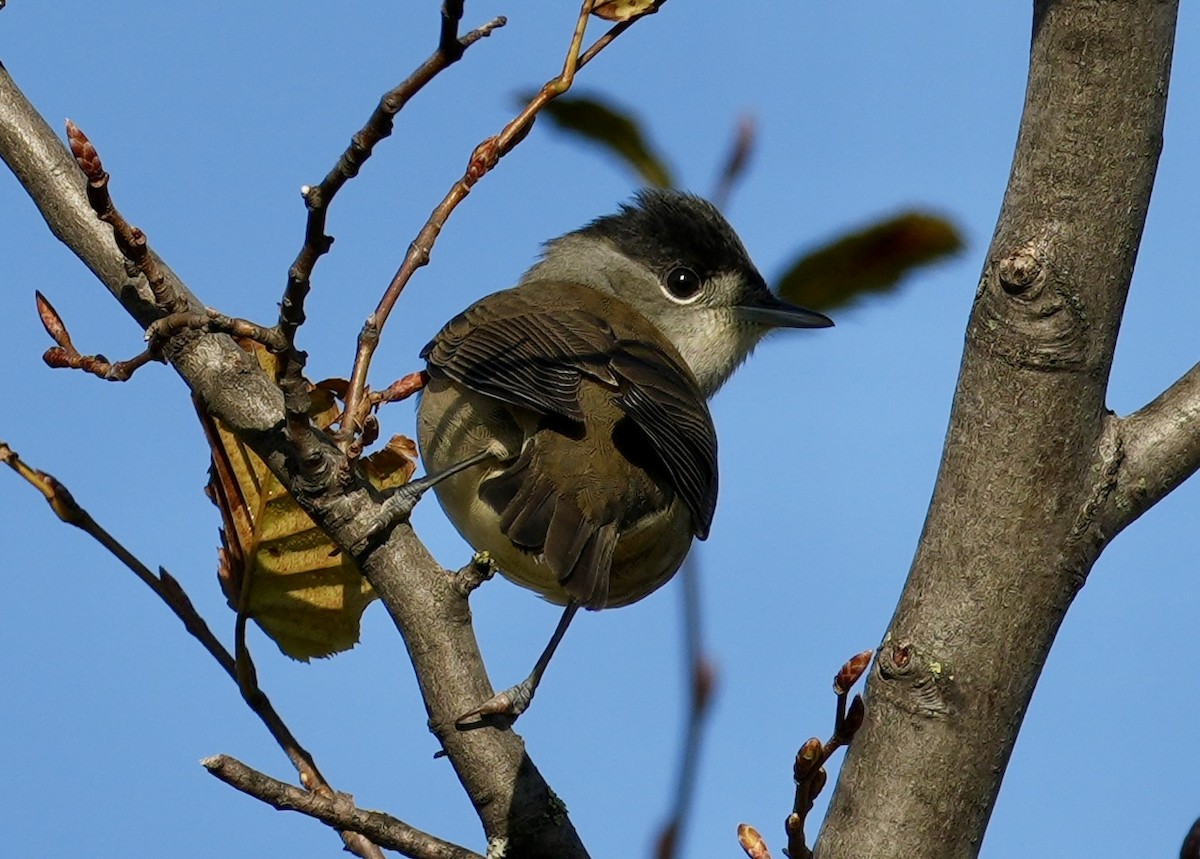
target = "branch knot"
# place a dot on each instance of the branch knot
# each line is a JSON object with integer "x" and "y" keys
{"x": 1027, "y": 313}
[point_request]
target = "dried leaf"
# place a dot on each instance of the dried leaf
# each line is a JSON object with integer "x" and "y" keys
{"x": 613, "y": 129}
{"x": 285, "y": 572}
{"x": 623, "y": 10}
{"x": 873, "y": 259}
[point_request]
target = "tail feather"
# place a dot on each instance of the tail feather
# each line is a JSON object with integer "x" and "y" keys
{"x": 538, "y": 517}
{"x": 588, "y": 581}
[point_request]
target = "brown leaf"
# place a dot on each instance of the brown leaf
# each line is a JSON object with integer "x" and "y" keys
{"x": 874, "y": 259}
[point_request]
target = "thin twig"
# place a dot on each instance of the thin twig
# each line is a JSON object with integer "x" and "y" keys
{"x": 65, "y": 355}
{"x": 131, "y": 241}
{"x": 809, "y": 768}
{"x": 317, "y": 199}
{"x": 483, "y": 159}
{"x": 213, "y": 322}
{"x": 159, "y": 331}
{"x": 378, "y": 127}
{"x": 168, "y": 589}
{"x": 337, "y": 810}
{"x": 401, "y": 389}
{"x": 702, "y": 683}
{"x": 735, "y": 162}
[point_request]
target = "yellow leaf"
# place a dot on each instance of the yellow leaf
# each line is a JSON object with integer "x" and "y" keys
{"x": 275, "y": 563}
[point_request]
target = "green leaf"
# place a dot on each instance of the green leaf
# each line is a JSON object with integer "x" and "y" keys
{"x": 613, "y": 129}
{"x": 871, "y": 260}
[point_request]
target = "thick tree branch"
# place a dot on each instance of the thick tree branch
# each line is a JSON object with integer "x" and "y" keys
{"x": 1013, "y": 527}
{"x": 1158, "y": 448}
{"x": 338, "y": 811}
{"x": 511, "y": 798}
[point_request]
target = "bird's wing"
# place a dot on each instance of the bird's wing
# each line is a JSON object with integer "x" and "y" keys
{"x": 670, "y": 409}
{"x": 534, "y": 354}
{"x": 508, "y": 348}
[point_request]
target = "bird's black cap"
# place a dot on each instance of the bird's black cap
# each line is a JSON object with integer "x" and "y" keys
{"x": 664, "y": 229}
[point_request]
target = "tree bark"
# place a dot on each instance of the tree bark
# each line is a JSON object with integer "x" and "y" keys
{"x": 1023, "y": 504}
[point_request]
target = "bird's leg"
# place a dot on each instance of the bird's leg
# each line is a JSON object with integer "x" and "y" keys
{"x": 512, "y": 702}
{"x": 398, "y": 506}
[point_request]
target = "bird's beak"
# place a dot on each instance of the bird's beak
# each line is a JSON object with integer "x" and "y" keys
{"x": 766, "y": 309}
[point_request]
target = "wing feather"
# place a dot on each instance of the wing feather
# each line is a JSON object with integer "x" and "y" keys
{"x": 535, "y": 353}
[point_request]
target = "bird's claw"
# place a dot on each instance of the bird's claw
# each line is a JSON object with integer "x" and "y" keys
{"x": 503, "y": 707}
{"x": 396, "y": 508}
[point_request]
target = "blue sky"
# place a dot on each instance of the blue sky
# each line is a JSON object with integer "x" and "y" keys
{"x": 209, "y": 121}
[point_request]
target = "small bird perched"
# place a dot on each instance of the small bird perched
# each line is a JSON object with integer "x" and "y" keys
{"x": 565, "y": 424}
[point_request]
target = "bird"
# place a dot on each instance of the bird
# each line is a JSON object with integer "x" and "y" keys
{"x": 564, "y": 422}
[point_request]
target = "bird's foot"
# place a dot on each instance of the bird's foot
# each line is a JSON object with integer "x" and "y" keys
{"x": 503, "y": 708}
{"x": 396, "y": 508}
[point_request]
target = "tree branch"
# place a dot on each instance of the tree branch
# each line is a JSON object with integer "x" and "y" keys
{"x": 1012, "y": 531}
{"x": 378, "y": 127}
{"x": 1158, "y": 447}
{"x": 167, "y": 588}
{"x": 338, "y": 811}
{"x": 483, "y": 159}
{"x": 508, "y": 793}
{"x": 702, "y": 681}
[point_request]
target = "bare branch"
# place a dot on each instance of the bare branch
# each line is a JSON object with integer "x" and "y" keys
{"x": 378, "y": 127}
{"x": 509, "y": 794}
{"x": 130, "y": 240}
{"x": 808, "y": 771}
{"x": 65, "y": 355}
{"x": 212, "y": 321}
{"x": 736, "y": 161}
{"x": 401, "y": 389}
{"x": 1158, "y": 447}
{"x": 485, "y": 157}
{"x": 702, "y": 681}
{"x": 317, "y": 243}
{"x": 172, "y": 593}
{"x": 168, "y": 589}
{"x": 337, "y": 810}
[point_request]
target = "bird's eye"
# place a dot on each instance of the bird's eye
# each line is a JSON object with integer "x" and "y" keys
{"x": 682, "y": 284}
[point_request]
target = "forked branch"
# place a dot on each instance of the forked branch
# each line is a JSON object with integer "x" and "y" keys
{"x": 337, "y": 810}
{"x": 483, "y": 159}
{"x": 1158, "y": 447}
{"x": 167, "y": 588}
{"x": 379, "y": 126}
